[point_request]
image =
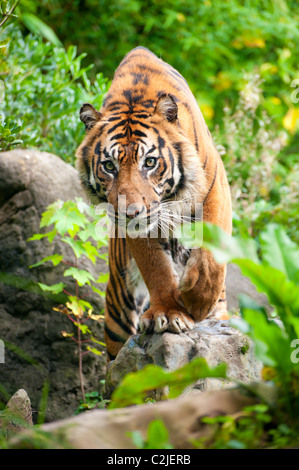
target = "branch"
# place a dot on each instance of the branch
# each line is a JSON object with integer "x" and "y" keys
{"x": 7, "y": 15}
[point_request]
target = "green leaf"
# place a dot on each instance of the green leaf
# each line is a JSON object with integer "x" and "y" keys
{"x": 103, "y": 278}
{"x": 98, "y": 291}
{"x": 83, "y": 328}
{"x": 77, "y": 306}
{"x": 77, "y": 246}
{"x": 81, "y": 275}
{"x": 94, "y": 351}
{"x": 280, "y": 292}
{"x": 16, "y": 142}
{"x": 69, "y": 219}
{"x": 83, "y": 248}
{"x": 55, "y": 288}
{"x": 85, "y": 208}
{"x": 137, "y": 439}
{"x": 157, "y": 436}
{"x": 66, "y": 217}
{"x": 98, "y": 342}
{"x": 91, "y": 231}
{"x": 91, "y": 252}
{"x": 56, "y": 259}
{"x": 224, "y": 247}
{"x": 49, "y": 214}
{"x": 276, "y": 345}
{"x": 37, "y": 26}
{"x": 37, "y": 236}
{"x": 280, "y": 252}
{"x": 135, "y": 386}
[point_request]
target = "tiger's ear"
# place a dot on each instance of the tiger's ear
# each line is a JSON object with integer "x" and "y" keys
{"x": 167, "y": 107}
{"x": 89, "y": 115}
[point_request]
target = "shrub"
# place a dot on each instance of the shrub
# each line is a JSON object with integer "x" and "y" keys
{"x": 262, "y": 177}
{"x": 45, "y": 87}
{"x": 272, "y": 264}
{"x": 74, "y": 223}
{"x": 212, "y": 42}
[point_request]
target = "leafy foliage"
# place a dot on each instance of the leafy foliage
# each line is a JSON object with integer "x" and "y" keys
{"x": 212, "y": 43}
{"x": 247, "y": 431}
{"x": 241, "y": 70}
{"x": 263, "y": 179}
{"x": 157, "y": 436}
{"x": 273, "y": 266}
{"x": 135, "y": 386}
{"x": 9, "y": 132}
{"x": 45, "y": 86}
{"x": 74, "y": 222}
{"x": 92, "y": 400}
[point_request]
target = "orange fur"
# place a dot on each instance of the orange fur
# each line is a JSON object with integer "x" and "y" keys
{"x": 150, "y": 117}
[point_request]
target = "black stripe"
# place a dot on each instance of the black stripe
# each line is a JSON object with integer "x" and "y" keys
{"x": 139, "y": 77}
{"x": 114, "y": 117}
{"x": 119, "y": 136}
{"x": 114, "y": 336}
{"x": 122, "y": 298}
{"x": 121, "y": 276}
{"x": 171, "y": 160}
{"x": 181, "y": 182}
{"x": 213, "y": 182}
{"x": 161, "y": 142}
{"x": 122, "y": 255}
{"x": 178, "y": 76}
{"x": 116, "y": 108}
{"x": 193, "y": 123}
{"x": 92, "y": 165}
{"x": 89, "y": 187}
{"x": 116, "y": 317}
{"x": 85, "y": 161}
{"x": 151, "y": 150}
{"x": 111, "y": 356}
{"x": 120, "y": 123}
{"x": 205, "y": 162}
{"x": 165, "y": 167}
{"x": 133, "y": 121}
{"x": 141, "y": 115}
{"x": 138, "y": 133}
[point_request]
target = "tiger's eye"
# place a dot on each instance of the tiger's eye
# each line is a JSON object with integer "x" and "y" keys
{"x": 150, "y": 162}
{"x": 109, "y": 166}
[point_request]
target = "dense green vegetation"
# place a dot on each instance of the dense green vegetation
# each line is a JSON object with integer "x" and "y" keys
{"x": 240, "y": 60}
{"x": 212, "y": 42}
{"x": 241, "y": 69}
{"x": 74, "y": 223}
{"x": 44, "y": 89}
{"x": 272, "y": 264}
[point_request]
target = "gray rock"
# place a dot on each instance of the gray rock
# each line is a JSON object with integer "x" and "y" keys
{"x": 20, "y": 405}
{"x": 112, "y": 429}
{"x": 35, "y": 351}
{"x": 17, "y": 415}
{"x": 211, "y": 339}
{"x": 237, "y": 284}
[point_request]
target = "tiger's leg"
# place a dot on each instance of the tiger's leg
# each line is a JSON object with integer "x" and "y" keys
{"x": 202, "y": 285}
{"x": 220, "y": 311}
{"x": 166, "y": 311}
{"x": 122, "y": 309}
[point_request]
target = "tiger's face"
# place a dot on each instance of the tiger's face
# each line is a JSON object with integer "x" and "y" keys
{"x": 135, "y": 161}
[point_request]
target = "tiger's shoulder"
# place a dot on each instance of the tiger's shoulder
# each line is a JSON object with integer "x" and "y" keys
{"x": 142, "y": 78}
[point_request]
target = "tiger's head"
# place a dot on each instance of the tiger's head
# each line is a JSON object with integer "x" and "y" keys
{"x": 138, "y": 159}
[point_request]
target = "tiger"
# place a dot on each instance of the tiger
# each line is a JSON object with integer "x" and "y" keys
{"x": 149, "y": 144}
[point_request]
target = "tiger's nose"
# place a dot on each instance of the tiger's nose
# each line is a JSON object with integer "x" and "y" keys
{"x": 135, "y": 210}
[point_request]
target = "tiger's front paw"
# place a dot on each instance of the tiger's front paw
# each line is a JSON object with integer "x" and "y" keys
{"x": 160, "y": 318}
